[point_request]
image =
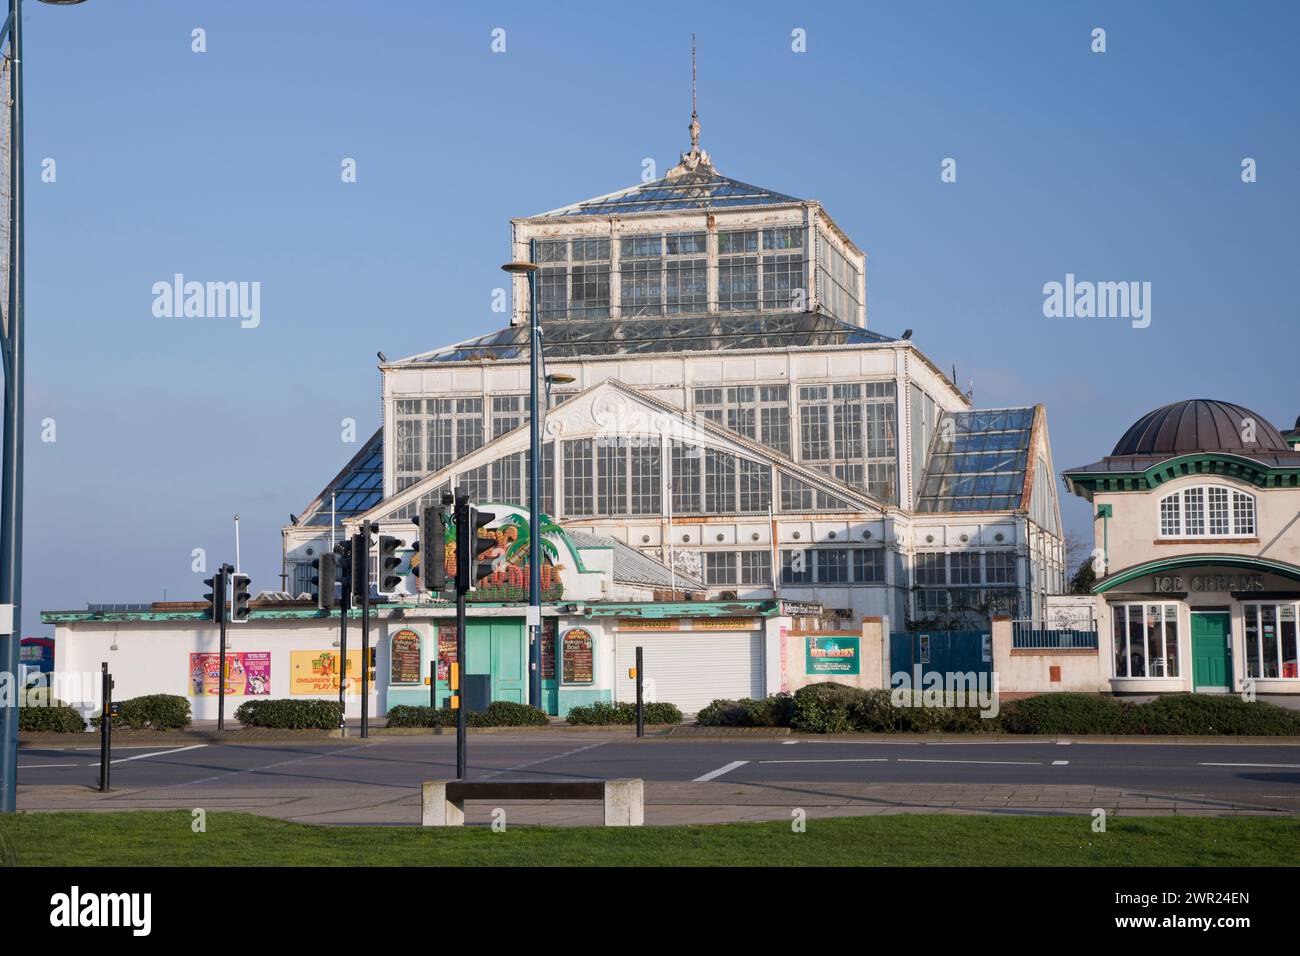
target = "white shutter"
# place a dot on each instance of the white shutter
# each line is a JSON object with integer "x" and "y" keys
{"x": 692, "y": 668}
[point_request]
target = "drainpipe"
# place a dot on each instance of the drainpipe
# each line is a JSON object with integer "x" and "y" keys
{"x": 1105, "y": 513}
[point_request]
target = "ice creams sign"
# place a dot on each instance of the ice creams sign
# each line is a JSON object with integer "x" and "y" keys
{"x": 836, "y": 654}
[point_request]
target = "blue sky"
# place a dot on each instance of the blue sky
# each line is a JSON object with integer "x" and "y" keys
{"x": 225, "y": 165}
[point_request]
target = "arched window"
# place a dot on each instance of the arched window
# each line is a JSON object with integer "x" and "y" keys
{"x": 1207, "y": 511}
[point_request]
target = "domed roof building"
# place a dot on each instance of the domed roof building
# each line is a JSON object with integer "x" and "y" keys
{"x": 1197, "y": 554}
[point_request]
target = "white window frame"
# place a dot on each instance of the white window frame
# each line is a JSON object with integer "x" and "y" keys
{"x": 1177, "y": 520}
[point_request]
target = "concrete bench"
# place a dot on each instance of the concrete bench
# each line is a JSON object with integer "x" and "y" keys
{"x": 443, "y": 801}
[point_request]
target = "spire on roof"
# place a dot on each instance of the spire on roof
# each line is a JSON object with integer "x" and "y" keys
{"x": 696, "y": 158}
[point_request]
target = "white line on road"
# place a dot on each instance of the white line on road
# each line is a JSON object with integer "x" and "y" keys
{"x": 1060, "y": 763}
{"x": 541, "y": 760}
{"x": 789, "y": 742}
{"x": 833, "y": 760}
{"x": 1282, "y": 766}
{"x": 714, "y": 774}
{"x": 157, "y": 753}
{"x": 39, "y": 766}
{"x": 1005, "y": 763}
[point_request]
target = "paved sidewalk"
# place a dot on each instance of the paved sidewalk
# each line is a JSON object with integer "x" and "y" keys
{"x": 667, "y": 803}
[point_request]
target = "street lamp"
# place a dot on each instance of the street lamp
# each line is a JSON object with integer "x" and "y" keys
{"x": 529, "y": 269}
{"x": 11, "y": 470}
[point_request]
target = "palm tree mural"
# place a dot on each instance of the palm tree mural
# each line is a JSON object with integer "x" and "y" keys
{"x": 509, "y": 582}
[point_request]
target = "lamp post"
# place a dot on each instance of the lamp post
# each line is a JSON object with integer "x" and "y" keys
{"x": 11, "y": 478}
{"x": 529, "y": 269}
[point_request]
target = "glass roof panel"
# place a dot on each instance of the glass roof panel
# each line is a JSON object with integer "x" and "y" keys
{"x": 699, "y": 191}
{"x": 579, "y": 339}
{"x": 977, "y": 461}
{"x": 357, "y": 488}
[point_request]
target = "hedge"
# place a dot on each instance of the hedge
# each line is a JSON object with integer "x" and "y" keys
{"x": 602, "y": 713}
{"x": 830, "y": 708}
{"x": 60, "y": 719}
{"x": 774, "y": 711}
{"x": 1211, "y": 714}
{"x": 500, "y": 713}
{"x": 288, "y": 714}
{"x": 154, "y": 711}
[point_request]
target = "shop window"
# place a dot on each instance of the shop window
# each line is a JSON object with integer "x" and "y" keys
{"x": 1145, "y": 640}
{"x": 1271, "y": 648}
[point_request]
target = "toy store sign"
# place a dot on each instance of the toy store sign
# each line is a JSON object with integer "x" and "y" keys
{"x": 1202, "y": 583}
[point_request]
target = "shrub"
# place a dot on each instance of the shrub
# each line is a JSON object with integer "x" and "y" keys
{"x": 1065, "y": 714}
{"x": 288, "y": 714}
{"x": 155, "y": 711}
{"x": 603, "y": 712}
{"x": 408, "y": 715}
{"x": 1210, "y": 714}
{"x": 774, "y": 711}
{"x": 828, "y": 708}
{"x": 59, "y": 718}
{"x": 500, "y": 713}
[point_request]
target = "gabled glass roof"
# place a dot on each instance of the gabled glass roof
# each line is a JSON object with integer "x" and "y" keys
{"x": 588, "y": 337}
{"x": 357, "y": 488}
{"x": 699, "y": 190}
{"x": 977, "y": 461}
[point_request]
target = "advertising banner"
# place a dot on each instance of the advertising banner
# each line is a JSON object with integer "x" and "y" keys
{"x": 248, "y": 674}
{"x": 316, "y": 673}
{"x": 833, "y": 655}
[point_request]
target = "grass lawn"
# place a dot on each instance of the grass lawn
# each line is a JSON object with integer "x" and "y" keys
{"x": 146, "y": 838}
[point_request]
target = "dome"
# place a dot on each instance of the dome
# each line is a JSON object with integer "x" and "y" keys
{"x": 1199, "y": 425}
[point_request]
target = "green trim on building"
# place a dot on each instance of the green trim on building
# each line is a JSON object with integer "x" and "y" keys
{"x": 1243, "y": 469}
{"x": 1191, "y": 560}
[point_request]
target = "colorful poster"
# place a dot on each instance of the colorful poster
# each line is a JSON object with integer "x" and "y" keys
{"x": 446, "y": 649}
{"x": 316, "y": 673}
{"x": 548, "y": 649}
{"x": 406, "y": 666}
{"x": 248, "y": 674}
{"x": 577, "y": 656}
{"x": 833, "y": 655}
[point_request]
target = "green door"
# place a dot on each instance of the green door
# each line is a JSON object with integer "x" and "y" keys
{"x": 550, "y": 686}
{"x": 496, "y": 647}
{"x": 1211, "y": 657}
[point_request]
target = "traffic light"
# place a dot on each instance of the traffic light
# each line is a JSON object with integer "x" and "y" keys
{"x": 324, "y": 579}
{"x": 470, "y": 544}
{"x": 217, "y": 597}
{"x": 343, "y": 570}
{"x": 432, "y": 548}
{"x": 360, "y": 564}
{"x": 239, "y": 588}
{"x": 389, "y": 579}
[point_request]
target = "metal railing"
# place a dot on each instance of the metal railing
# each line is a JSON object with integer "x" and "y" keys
{"x": 1034, "y": 634}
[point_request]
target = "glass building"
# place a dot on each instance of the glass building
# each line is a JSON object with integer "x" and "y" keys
{"x": 728, "y": 411}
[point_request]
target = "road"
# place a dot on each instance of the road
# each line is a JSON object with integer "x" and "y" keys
{"x": 378, "y": 780}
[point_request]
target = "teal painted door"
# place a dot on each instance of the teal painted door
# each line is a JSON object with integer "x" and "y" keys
{"x": 1211, "y": 660}
{"x": 497, "y": 648}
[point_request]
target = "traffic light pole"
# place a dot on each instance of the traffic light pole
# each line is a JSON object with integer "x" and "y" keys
{"x": 534, "y": 495}
{"x": 345, "y": 605}
{"x": 223, "y": 575}
{"x": 365, "y": 630}
{"x": 458, "y": 692}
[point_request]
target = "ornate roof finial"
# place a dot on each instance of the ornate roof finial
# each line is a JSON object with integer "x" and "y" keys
{"x": 696, "y": 158}
{"x": 695, "y": 117}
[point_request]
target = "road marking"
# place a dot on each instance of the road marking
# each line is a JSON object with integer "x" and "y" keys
{"x": 157, "y": 753}
{"x": 789, "y": 742}
{"x": 1004, "y": 763}
{"x": 1064, "y": 743}
{"x": 1060, "y": 763}
{"x": 39, "y": 766}
{"x": 541, "y": 760}
{"x": 714, "y": 774}
{"x": 282, "y": 763}
{"x": 1283, "y": 766}
{"x": 833, "y": 760}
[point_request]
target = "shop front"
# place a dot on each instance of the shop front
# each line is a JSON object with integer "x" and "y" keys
{"x": 1209, "y": 624}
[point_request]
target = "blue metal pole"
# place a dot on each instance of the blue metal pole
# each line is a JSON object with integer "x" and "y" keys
{"x": 534, "y": 494}
{"x": 11, "y": 484}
